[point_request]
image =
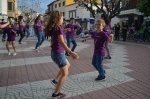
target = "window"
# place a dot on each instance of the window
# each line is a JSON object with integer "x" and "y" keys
{"x": 55, "y": 5}
{"x": 64, "y": 3}
{"x": 72, "y": 14}
{"x": 10, "y": 6}
{"x": 59, "y": 4}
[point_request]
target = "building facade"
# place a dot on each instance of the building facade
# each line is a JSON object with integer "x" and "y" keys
{"x": 81, "y": 15}
{"x": 60, "y": 6}
{"x": 3, "y": 9}
{"x": 12, "y": 11}
{"x": 132, "y": 16}
{"x": 55, "y": 5}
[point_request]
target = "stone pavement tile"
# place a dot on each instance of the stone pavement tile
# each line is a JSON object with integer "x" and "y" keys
{"x": 18, "y": 80}
{"x": 2, "y": 92}
{"x": 25, "y": 79}
{"x": 124, "y": 70}
{"x": 5, "y": 63}
{"x": 11, "y": 81}
{"x": 12, "y": 72}
{"x": 94, "y": 95}
{"x": 18, "y": 72}
{"x": 24, "y": 70}
{"x": 4, "y": 77}
{"x": 22, "y": 91}
{"x": 1, "y": 73}
{"x": 32, "y": 78}
{"x": 77, "y": 97}
{"x": 71, "y": 88}
{"x": 86, "y": 96}
{"x": 42, "y": 89}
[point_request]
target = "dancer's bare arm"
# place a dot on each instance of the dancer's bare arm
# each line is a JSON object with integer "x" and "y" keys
{"x": 63, "y": 44}
{"x": 111, "y": 38}
{"x": 4, "y": 25}
{"x": 13, "y": 31}
{"x": 88, "y": 38}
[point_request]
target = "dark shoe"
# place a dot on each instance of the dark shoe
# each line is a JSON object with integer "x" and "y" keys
{"x": 3, "y": 40}
{"x": 54, "y": 82}
{"x": 20, "y": 43}
{"x": 100, "y": 79}
{"x": 67, "y": 54}
{"x": 58, "y": 96}
{"x": 108, "y": 57}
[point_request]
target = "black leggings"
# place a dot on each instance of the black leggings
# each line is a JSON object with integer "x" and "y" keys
{"x": 22, "y": 34}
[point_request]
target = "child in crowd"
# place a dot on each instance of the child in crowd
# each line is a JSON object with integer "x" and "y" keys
{"x": 39, "y": 32}
{"x": 142, "y": 29}
{"x": 100, "y": 38}
{"x": 21, "y": 30}
{"x": 27, "y": 28}
{"x": 136, "y": 36}
{"x": 70, "y": 34}
{"x": 59, "y": 47}
{"x": 11, "y": 34}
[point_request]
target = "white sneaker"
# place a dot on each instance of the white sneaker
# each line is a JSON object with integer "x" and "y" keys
{"x": 15, "y": 54}
{"x": 9, "y": 53}
{"x": 36, "y": 50}
{"x": 40, "y": 48}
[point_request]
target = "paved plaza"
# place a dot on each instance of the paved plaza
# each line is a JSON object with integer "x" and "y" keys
{"x": 28, "y": 74}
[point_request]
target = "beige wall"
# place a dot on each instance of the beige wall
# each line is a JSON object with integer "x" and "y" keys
{"x": 62, "y": 8}
{"x": 12, "y": 13}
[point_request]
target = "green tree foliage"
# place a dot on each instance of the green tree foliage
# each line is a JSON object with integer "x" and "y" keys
{"x": 110, "y": 8}
{"x": 144, "y": 6}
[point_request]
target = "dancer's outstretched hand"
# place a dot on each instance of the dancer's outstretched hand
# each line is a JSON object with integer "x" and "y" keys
{"x": 83, "y": 40}
{"x": 74, "y": 55}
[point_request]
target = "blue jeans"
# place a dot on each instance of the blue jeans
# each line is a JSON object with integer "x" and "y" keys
{"x": 136, "y": 36}
{"x": 41, "y": 39}
{"x": 142, "y": 36}
{"x": 97, "y": 62}
{"x": 59, "y": 59}
{"x": 107, "y": 49}
{"x": 71, "y": 40}
{"x": 28, "y": 33}
{"x": 4, "y": 36}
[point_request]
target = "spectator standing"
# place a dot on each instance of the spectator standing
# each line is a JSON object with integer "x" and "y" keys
{"x": 124, "y": 31}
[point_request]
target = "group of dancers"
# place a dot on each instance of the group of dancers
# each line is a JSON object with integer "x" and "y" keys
{"x": 21, "y": 28}
{"x": 59, "y": 49}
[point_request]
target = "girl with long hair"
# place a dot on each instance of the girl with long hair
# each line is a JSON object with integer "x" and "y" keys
{"x": 39, "y": 32}
{"x": 59, "y": 47}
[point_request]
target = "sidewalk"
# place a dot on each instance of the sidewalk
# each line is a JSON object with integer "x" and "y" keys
{"x": 28, "y": 74}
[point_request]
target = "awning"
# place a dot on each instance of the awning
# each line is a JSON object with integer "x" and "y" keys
{"x": 89, "y": 20}
{"x": 92, "y": 20}
{"x": 78, "y": 19}
{"x": 67, "y": 20}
